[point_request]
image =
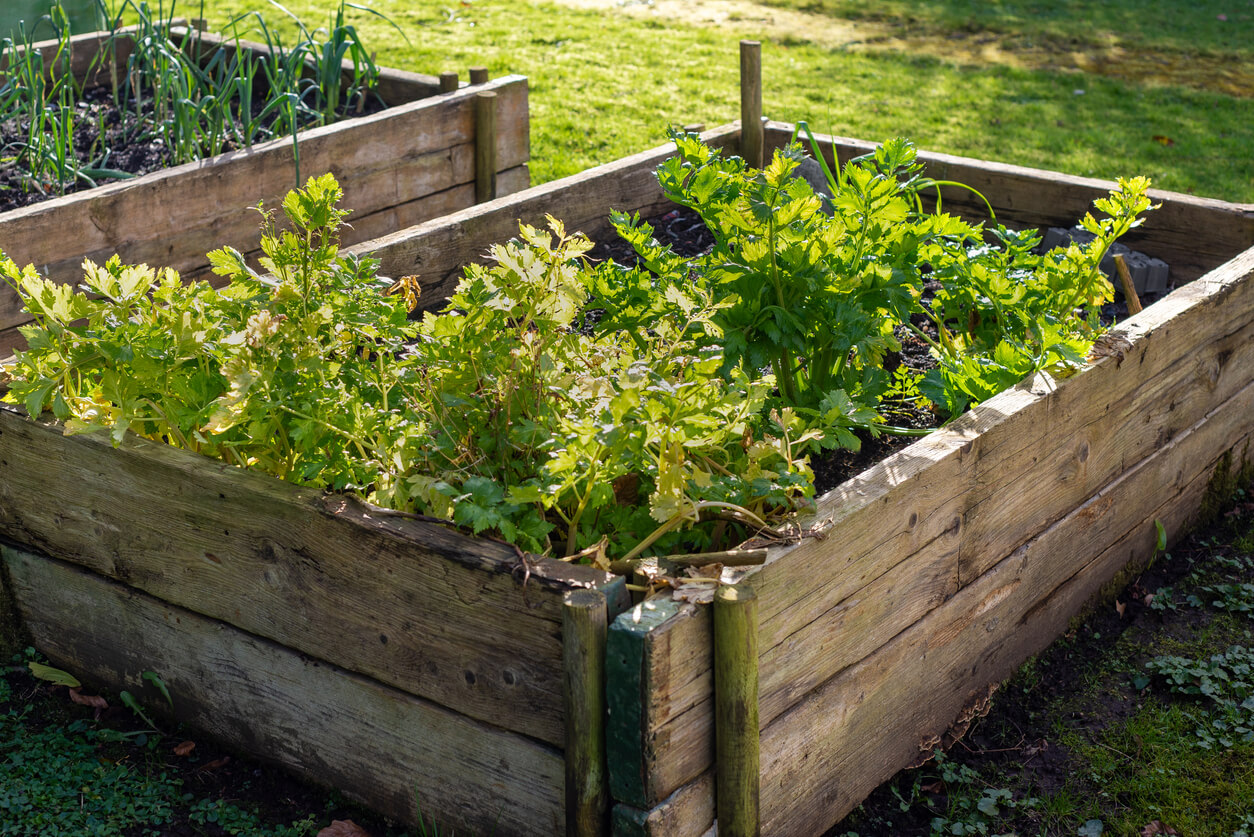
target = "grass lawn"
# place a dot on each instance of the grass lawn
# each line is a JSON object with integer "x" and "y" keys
{"x": 607, "y": 77}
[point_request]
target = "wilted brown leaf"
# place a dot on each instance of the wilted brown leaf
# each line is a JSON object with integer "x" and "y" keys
{"x": 1156, "y": 828}
{"x": 94, "y": 701}
{"x": 343, "y": 828}
{"x": 214, "y": 765}
{"x": 1120, "y": 607}
{"x": 185, "y": 748}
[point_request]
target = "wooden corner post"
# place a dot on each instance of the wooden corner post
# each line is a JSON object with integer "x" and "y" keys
{"x": 751, "y": 133}
{"x": 585, "y": 623}
{"x": 736, "y": 710}
{"x": 485, "y": 146}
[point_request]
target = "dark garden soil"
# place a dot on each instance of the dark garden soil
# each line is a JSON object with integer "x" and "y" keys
{"x": 104, "y": 137}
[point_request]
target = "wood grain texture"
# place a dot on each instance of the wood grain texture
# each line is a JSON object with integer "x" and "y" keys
{"x": 1191, "y": 234}
{"x": 382, "y": 222}
{"x": 585, "y": 623}
{"x": 659, "y": 664}
{"x": 453, "y": 619}
{"x": 173, "y": 217}
{"x": 687, "y": 812}
{"x": 831, "y": 749}
{"x": 380, "y": 746}
{"x": 736, "y": 710}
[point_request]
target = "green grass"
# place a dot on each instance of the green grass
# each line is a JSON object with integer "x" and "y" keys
{"x": 1149, "y": 24}
{"x": 606, "y": 84}
{"x": 1151, "y": 769}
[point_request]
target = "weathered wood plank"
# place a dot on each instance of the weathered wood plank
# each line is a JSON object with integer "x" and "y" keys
{"x": 1191, "y": 234}
{"x": 173, "y": 217}
{"x": 964, "y": 488}
{"x": 381, "y": 746}
{"x": 687, "y": 812}
{"x": 660, "y": 670}
{"x": 437, "y": 250}
{"x": 406, "y": 602}
{"x": 951, "y": 501}
{"x": 823, "y": 755}
{"x": 832, "y": 748}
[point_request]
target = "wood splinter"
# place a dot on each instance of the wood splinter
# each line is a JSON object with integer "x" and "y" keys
{"x": 1129, "y": 289}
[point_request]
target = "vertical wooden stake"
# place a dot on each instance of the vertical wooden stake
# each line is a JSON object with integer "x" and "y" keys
{"x": 485, "y": 146}
{"x": 751, "y": 137}
{"x": 448, "y": 82}
{"x": 1129, "y": 289}
{"x": 585, "y": 625}
{"x": 478, "y": 75}
{"x": 736, "y": 710}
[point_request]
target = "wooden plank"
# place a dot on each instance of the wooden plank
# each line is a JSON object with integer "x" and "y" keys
{"x": 437, "y": 250}
{"x": 418, "y": 606}
{"x": 1191, "y": 234}
{"x": 380, "y": 746}
{"x": 824, "y": 755}
{"x": 151, "y": 218}
{"x": 736, "y": 721}
{"x": 950, "y": 501}
{"x": 964, "y": 488}
{"x": 685, "y": 813}
{"x": 585, "y": 623}
{"x": 659, "y": 670}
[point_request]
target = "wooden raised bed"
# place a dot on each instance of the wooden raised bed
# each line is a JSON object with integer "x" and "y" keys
{"x": 393, "y": 658}
{"x": 947, "y": 565}
{"x": 413, "y": 161}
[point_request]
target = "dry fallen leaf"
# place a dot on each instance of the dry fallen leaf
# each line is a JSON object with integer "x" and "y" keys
{"x": 214, "y": 765}
{"x": 185, "y": 748}
{"x": 343, "y": 828}
{"x": 94, "y": 701}
{"x": 1120, "y": 607}
{"x": 1156, "y": 828}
